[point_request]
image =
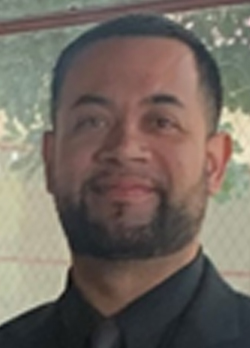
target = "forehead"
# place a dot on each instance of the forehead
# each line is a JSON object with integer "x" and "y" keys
{"x": 137, "y": 64}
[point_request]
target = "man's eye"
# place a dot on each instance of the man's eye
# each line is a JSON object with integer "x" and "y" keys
{"x": 92, "y": 122}
{"x": 163, "y": 123}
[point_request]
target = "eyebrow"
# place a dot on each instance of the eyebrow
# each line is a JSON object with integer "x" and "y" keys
{"x": 164, "y": 99}
{"x": 88, "y": 99}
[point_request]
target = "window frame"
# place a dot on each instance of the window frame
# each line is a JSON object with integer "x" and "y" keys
{"x": 75, "y": 17}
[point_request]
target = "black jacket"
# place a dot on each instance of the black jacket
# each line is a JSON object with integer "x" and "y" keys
{"x": 218, "y": 318}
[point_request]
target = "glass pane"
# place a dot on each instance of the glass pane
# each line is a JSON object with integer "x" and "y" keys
{"x": 33, "y": 253}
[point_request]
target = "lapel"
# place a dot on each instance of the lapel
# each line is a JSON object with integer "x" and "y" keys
{"x": 213, "y": 317}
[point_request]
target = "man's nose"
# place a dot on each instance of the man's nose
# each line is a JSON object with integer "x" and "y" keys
{"x": 126, "y": 143}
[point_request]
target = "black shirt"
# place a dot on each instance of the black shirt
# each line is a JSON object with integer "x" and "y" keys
{"x": 194, "y": 308}
{"x": 154, "y": 317}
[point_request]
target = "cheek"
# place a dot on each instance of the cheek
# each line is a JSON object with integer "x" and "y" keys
{"x": 181, "y": 165}
{"x": 73, "y": 166}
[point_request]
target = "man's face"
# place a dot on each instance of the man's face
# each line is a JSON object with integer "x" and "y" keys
{"x": 129, "y": 164}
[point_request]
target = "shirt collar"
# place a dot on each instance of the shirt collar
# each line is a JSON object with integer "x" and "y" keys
{"x": 78, "y": 317}
{"x": 141, "y": 322}
{"x": 147, "y": 318}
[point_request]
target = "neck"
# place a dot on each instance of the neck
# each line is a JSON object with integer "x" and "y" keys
{"x": 110, "y": 285}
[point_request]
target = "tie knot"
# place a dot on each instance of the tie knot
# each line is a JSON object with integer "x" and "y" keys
{"x": 106, "y": 335}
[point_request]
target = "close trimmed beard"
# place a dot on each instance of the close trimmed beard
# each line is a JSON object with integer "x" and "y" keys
{"x": 172, "y": 227}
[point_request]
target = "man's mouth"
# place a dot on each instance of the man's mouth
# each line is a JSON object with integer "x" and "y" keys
{"x": 124, "y": 188}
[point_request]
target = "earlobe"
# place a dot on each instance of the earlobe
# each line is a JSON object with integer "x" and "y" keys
{"x": 219, "y": 149}
{"x": 48, "y": 159}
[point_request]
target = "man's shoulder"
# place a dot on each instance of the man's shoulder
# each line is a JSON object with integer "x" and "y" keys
{"x": 29, "y": 328}
{"x": 243, "y": 315}
{"x": 221, "y": 313}
{"x": 244, "y": 310}
{"x": 219, "y": 294}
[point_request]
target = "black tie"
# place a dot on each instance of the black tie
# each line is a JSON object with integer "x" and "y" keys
{"x": 106, "y": 335}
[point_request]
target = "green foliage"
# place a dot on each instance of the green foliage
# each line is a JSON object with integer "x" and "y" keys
{"x": 27, "y": 60}
{"x": 226, "y": 33}
{"x": 236, "y": 182}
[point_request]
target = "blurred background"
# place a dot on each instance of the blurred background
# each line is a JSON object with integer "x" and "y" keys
{"x": 33, "y": 252}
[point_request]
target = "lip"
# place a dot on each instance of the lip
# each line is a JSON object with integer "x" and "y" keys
{"x": 124, "y": 188}
{"x": 127, "y": 193}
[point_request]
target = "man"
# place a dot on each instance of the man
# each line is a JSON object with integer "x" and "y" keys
{"x": 131, "y": 159}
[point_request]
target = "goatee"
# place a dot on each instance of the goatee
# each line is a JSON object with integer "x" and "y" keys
{"x": 172, "y": 227}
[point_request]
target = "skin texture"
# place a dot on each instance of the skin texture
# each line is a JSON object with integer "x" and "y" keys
{"x": 132, "y": 121}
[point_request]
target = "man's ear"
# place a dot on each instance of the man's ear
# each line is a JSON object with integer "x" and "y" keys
{"x": 219, "y": 149}
{"x": 48, "y": 153}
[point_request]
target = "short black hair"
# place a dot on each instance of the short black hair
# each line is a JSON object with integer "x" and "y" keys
{"x": 145, "y": 25}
